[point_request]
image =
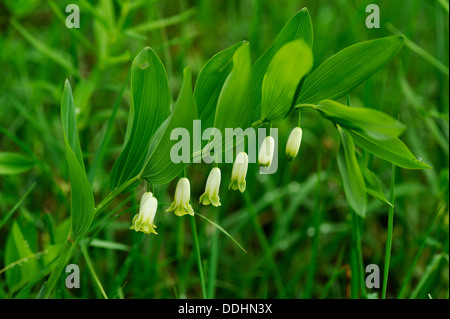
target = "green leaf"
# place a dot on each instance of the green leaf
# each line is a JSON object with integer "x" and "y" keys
{"x": 353, "y": 180}
{"x": 159, "y": 167}
{"x": 374, "y": 123}
{"x": 233, "y": 106}
{"x": 374, "y": 187}
{"x": 17, "y": 251}
{"x": 347, "y": 69}
{"x": 298, "y": 27}
{"x": 150, "y": 107}
{"x": 82, "y": 199}
{"x": 210, "y": 82}
{"x": 69, "y": 123}
{"x": 14, "y": 163}
{"x": 289, "y": 65}
{"x": 390, "y": 149}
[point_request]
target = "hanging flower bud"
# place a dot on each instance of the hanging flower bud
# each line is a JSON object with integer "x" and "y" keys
{"x": 211, "y": 194}
{"x": 293, "y": 143}
{"x": 266, "y": 152}
{"x": 143, "y": 221}
{"x": 180, "y": 204}
{"x": 239, "y": 172}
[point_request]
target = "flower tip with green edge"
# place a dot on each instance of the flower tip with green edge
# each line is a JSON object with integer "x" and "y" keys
{"x": 265, "y": 155}
{"x": 293, "y": 143}
{"x": 144, "y": 220}
{"x": 180, "y": 205}
{"x": 239, "y": 173}
{"x": 211, "y": 194}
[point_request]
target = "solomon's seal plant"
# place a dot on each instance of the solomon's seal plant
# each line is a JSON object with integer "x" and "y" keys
{"x": 265, "y": 155}
{"x": 180, "y": 205}
{"x": 232, "y": 92}
{"x": 239, "y": 173}
{"x": 211, "y": 194}
{"x": 144, "y": 221}
{"x": 293, "y": 143}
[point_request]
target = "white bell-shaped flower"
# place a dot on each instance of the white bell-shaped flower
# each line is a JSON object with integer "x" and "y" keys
{"x": 211, "y": 194}
{"x": 239, "y": 172}
{"x": 265, "y": 155}
{"x": 144, "y": 220}
{"x": 293, "y": 143}
{"x": 180, "y": 205}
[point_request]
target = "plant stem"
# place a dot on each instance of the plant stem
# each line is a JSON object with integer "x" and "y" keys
{"x": 257, "y": 123}
{"x": 387, "y": 258}
{"x": 62, "y": 261}
{"x": 199, "y": 258}
{"x": 92, "y": 270}
{"x": 108, "y": 199}
{"x": 356, "y": 234}
{"x": 401, "y": 294}
{"x": 264, "y": 243}
{"x": 306, "y": 107}
{"x": 70, "y": 244}
{"x": 214, "y": 257}
{"x": 312, "y": 268}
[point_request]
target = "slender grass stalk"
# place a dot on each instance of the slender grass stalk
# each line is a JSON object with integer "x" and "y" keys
{"x": 223, "y": 231}
{"x": 338, "y": 270}
{"x": 199, "y": 258}
{"x": 421, "y": 52}
{"x": 265, "y": 244}
{"x": 387, "y": 258}
{"x": 16, "y": 206}
{"x": 23, "y": 260}
{"x": 428, "y": 271}
{"x": 356, "y": 235}
{"x": 179, "y": 255}
{"x": 92, "y": 270}
{"x": 354, "y": 286}
{"x": 401, "y": 294}
{"x": 61, "y": 262}
{"x": 214, "y": 258}
{"x": 312, "y": 269}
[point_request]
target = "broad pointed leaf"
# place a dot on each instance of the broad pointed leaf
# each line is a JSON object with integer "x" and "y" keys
{"x": 298, "y": 27}
{"x": 353, "y": 180}
{"x": 347, "y": 69}
{"x": 233, "y": 107}
{"x": 374, "y": 123}
{"x": 82, "y": 199}
{"x": 150, "y": 108}
{"x": 288, "y": 66}
{"x": 390, "y": 149}
{"x": 210, "y": 81}
{"x": 159, "y": 167}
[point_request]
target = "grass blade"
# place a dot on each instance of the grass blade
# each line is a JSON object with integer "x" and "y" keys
{"x": 16, "y": 206}
{"x": 421, "y": 52}
{"x": 387, "y": 258}
{"x": 223, "y": 231}
{"x": 199, "y": 258}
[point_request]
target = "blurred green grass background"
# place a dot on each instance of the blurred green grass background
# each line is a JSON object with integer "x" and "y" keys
{"x": 295, "y": 225}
